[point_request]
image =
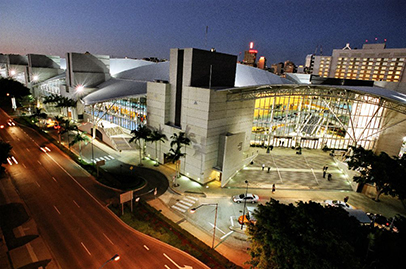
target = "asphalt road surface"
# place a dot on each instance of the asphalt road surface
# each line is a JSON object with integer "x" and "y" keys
{"x": 79, "y": 230}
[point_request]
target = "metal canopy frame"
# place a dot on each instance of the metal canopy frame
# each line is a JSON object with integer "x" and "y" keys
{"x": 322, "y": 91}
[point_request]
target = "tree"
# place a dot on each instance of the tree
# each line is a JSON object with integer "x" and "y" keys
{"x": 5, "y": 149}
{"x": 143, "y": 133}
{"x": 79, "y": 138}
{"x": 60, "y": 102}
{"x": 175, "y": 153}
{"x": 11, "y": 87}
{"x": 38, "y": 114}
{"x": 67, "y": 127}
{"x": 155, "y": 136}
{"x": 379, "y": 170}
{"x": 59, "y": 120}
{"x": 305, "y": 236}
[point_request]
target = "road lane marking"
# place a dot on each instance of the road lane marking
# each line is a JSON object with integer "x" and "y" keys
{"x": 54, "y": 179}
{"x": 57, "y": 210}
{"x": 185, "y": 267}
{"x": 212, "y": 225}
{"x": 38, "y": 184}
{"x": 167, "y": 267}
{"x": 39, "y": 162}
{"x": 146, "y": 247}
{"x": 193, "y": 198}
{"x": 178, "y": 208}
{"x": 315, "y": 177}
{"x": 185, "y": 203}
{"x": 24, "y": 166}
{"x": 227, "y": 234}
{"x": 76, "y": 204}
{"x": 231, "y": 220}
{"x": 27, "y": 149}
{"x": 83, "y": 188}
{"x": 88, "y": 252}
{"x": 108, "y": 239}
{"x": 182, "y": 206}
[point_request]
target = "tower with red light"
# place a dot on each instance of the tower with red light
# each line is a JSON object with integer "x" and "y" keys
{"x": 250, "y": 56}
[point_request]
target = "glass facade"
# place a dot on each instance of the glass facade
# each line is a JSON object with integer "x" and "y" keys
{"x": 316, "y": 122}
{"x": 128, "y": 113}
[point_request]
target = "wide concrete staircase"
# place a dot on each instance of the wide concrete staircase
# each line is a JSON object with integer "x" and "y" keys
{"x": 120, "y": 138}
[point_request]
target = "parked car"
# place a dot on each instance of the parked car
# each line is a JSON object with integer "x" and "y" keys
{"x": 337, "y": 203}
{"x": 250, "y": 198}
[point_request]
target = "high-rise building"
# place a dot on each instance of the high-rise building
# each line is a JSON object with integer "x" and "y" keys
{"x": 250, "y": 56}
{"x": 373, "y": 62}
{"x": 261, "y": 62}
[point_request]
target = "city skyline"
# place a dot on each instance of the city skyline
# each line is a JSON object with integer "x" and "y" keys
{"x": 281, "y": 31}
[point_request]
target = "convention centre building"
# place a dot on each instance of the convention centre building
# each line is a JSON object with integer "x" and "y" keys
{"x": 223, "y": 107}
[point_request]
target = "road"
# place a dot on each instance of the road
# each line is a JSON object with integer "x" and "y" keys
{"x": 80, "y": 231}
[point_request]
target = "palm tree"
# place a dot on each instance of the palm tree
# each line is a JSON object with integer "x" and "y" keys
{"x": 38, "y": 114}
{"x": 176, "y": 153}
{"x": 59, "y": 120}
{"x": 142, "y": 133}
{"x": 66, "y": 102}
{"x": 67, "y": 128}
{"x": 155, "y": 136}
{"x": 79, "y": 138}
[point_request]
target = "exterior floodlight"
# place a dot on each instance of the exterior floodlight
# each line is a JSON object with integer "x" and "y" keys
{"x": 193, "y": 210}
{"x": 35, "y": 78}
{"x": 80, "y": 88}
{"x": 12, "y": 72}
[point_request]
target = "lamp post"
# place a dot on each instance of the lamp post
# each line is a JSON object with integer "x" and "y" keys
{"x": 193, "y": 210}
{"x": 245, "y": 203}
{"x": 114, "y": 258}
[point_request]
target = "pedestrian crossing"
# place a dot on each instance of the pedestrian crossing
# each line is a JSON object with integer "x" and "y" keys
{"x": 106, "y": 158}
{"x": 184, "y": 204}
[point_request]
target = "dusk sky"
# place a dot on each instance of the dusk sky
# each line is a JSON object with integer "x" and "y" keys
{"x": 281, "y": 30}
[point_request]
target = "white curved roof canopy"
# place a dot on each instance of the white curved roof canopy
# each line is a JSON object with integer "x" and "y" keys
{"x": 133, "y": 83}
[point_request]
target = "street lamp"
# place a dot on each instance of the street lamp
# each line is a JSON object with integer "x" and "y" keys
{"x": 114, "y": 258}
{"x": 245, "y": 203}
{"x": 193, "y": 210}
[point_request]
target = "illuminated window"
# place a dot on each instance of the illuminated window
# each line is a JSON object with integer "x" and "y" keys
{"x": 392, "y": 63}
{"x": 389, "y": 77}
{"x": 402, "y": 59}
{"x": 400, "y": 64}
{"x": 391, "y": 68}
{"x": 370, "y": 63}
{"x": 384, "y": 63}
{"x": 399, "y": 68}
{"x": 396, "y": 77}
{"x": 381, "y": 76}
{"x": 390, "y": 72}
{"x": 394, "y": 59}
{"x": 385, "y": 59}
{"x": 375, "y": 72}
{"x": 397, "y": 72}
{"x": 382, "y": 72}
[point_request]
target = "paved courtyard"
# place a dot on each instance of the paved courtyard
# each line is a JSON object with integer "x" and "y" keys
{"x": 289, "y": 170}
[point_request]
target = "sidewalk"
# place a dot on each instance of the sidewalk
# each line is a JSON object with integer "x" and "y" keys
{"x": 25, "y": 247}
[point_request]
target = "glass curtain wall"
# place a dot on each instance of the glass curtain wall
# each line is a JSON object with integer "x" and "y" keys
{"x": 128, "y": 113}
{"x": 315, "y": 122}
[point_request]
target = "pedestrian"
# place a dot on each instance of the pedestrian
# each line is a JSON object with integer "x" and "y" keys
{"x": 271, "y": 147}
{"x": 324, "y": 174}
{"x": 269, "y": 169}
{"x": 329, "y": 177}
{"x": 346, "y": 199}
{"x": 263, "y": 167}
{"x": 273, "y": 188}
{"x": 324, "y": 168}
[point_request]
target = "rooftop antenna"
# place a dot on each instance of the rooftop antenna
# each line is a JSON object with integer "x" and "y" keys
{"x": 315, "y": 51}
{"x": 321, "y": 50}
